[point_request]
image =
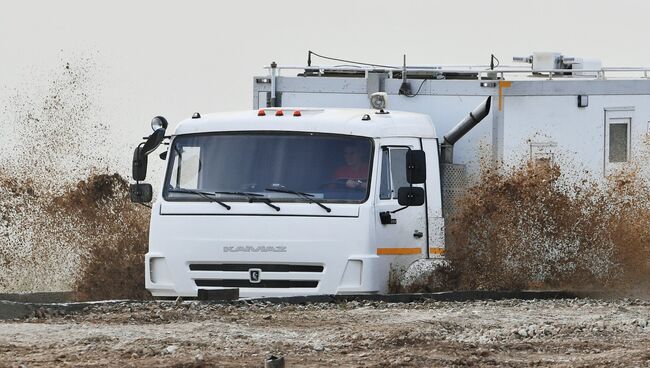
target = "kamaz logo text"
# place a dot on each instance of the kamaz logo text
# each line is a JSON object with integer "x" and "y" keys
{"x": 257, "y": 249}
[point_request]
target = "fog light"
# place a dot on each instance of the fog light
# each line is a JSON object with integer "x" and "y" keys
{"x": 352, "y": 274}
{"x": 158, "y": 271}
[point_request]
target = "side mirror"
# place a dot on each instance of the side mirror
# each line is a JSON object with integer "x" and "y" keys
{"x": 158, "y": 122}
{"x": 139, "y": 169}
{"x": 154, "y": 140}
{"x": 410, "y": 196}
{"x": 140, "y": 193}
{"x": 416, "y": 167}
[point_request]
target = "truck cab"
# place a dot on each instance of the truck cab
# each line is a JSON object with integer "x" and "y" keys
{"x": 290, "y": 201}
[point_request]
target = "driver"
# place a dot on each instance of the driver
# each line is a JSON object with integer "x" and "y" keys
{"x": 355, "y": 170}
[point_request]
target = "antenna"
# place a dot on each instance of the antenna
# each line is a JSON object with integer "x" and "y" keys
{"x": 492, "y": 58}
{"x": 405, "y": 88}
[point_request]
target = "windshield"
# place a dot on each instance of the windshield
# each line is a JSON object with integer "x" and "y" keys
{"x": 283, "y": 167}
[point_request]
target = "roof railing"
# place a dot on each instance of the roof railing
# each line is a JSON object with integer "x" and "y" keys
{"x": 482, "y": 71}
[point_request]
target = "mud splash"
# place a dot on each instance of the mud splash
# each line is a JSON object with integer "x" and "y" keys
{"x": 528, "y": 230}
{"x": 90, "y": 239}
{"x": 54, "y": 126}
{"x": 112, "y": 254}
{"x": 66, "y": 222}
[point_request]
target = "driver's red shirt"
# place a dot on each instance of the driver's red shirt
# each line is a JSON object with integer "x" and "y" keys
{"x": 348, "y": 172}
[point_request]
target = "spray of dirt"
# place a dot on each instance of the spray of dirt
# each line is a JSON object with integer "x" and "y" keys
{"x": 529, "y": 229}
{"x": 66, "y": 222}
{"x": 115, "y": 233}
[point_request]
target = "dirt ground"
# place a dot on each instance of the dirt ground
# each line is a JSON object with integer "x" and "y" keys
{"x": 570, "y": 333}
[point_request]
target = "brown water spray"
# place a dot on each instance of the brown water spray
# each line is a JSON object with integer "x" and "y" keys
{"x": 66, "y": 221}
{"x": 528, "y": 229}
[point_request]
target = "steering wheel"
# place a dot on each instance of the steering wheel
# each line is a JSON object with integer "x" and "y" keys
{"x": 341, "y": 183}
{"x": 248, "y": 187}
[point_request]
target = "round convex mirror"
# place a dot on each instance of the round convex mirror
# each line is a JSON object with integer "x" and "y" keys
{"x": 158, "y": 122}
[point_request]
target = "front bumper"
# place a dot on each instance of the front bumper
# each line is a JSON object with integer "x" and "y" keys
{"x": 355, "y": 274}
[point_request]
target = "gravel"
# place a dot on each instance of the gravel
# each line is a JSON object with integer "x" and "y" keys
{"x": 565, "y": 332}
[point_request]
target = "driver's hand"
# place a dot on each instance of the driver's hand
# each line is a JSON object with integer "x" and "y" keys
{"x": 355, "y": 184}
{"x": 352, "y": 183}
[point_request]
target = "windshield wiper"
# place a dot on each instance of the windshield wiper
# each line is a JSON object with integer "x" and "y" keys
{"x": 263, "y": 200}
{"x": 252, "y": 198}
{"x": 244, "y": 194}
{"x": 302, "y": 195}
{"x": 207, "y": 195}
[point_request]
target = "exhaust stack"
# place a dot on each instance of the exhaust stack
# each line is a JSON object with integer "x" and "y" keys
{"x": 464, "y": 126}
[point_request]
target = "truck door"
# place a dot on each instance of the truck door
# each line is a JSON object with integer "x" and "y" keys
{"x": 401, "y": 236}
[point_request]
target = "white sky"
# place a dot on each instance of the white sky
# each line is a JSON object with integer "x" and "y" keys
{"x": 172, "y": 59}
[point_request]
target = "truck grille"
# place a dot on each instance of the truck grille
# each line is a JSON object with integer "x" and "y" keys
{"x": 243, "y": 267}
{"x": 262, "y": 284}
{"x": 236, "y": 280}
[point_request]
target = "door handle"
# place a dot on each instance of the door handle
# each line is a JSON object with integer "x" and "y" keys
{"x": 418, "y": 234}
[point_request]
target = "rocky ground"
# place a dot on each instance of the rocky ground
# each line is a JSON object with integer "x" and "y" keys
{"x": 570, "y": 332}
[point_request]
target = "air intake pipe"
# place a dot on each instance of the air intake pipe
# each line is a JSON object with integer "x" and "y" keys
{"x": 464, "y": 126}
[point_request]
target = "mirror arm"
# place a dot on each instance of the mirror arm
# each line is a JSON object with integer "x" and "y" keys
{"x": 399, "y": 209}
{"x": 409, "y": 172}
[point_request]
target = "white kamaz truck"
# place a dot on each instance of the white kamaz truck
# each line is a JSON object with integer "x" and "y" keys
{"x": 340, "y": 179}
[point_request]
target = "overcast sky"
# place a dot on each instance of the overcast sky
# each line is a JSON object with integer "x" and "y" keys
{"x": 154, "y": 57}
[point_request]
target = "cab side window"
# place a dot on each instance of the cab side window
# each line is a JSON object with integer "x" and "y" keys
{"x": 393, "y": 172}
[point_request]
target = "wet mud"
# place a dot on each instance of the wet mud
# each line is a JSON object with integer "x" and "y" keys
{"x": 90, "y": 238}
{"x": 529, "y": 229}
{"x": 66, "y": 221}
{"x": 115, "y": 241}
